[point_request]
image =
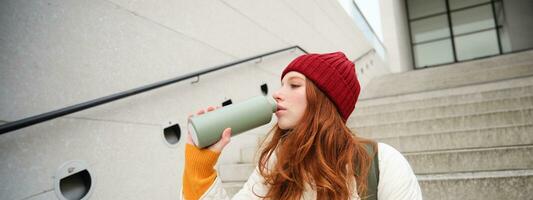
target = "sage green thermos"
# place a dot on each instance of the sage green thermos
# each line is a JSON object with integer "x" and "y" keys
{"x": 207, "y": 129}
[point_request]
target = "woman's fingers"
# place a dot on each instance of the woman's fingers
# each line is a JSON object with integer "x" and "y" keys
{"x": 189, "y": 138}
{"x": 224, "y": 140}
{"x": 200, "y": 112}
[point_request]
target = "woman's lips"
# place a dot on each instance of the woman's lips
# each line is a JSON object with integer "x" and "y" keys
{"x": 280, "y": 110}
{"x": 279, "y": 113}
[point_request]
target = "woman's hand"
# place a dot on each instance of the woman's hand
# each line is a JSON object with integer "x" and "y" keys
{"x": 220, "y": 144}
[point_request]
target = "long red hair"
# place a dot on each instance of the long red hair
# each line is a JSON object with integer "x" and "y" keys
{"x": 320, "y": 151}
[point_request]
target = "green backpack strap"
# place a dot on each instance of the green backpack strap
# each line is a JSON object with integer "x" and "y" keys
{"x": 373, "y": 174}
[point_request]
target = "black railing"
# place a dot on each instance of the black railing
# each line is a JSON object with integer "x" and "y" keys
{"x": 363, "y": 55}
{"x": 11, "y": 126}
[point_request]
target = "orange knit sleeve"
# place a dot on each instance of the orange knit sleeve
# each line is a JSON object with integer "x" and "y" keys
{"x": 199, "y": 173}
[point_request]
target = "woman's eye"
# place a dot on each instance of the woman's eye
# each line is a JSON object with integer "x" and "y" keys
{"x": 294, "y": 86}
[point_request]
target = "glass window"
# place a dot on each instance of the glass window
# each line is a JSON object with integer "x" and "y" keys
{"x": 421, "y": 8}
{"x": 433, "y": 53}
{"x": 430, "y": 29}
{"x": 456, "y": 4}
{"x": 473, "y": 19}
{"x": 476, "y": 45}
{"x": 447, "y": 31}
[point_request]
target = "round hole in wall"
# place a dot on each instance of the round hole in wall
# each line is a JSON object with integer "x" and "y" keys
{"x": 73, "y": 181}
{"x": 227, "y": 103}
{"x": 172, "y": 134}
{"x": 75, "y": 186}
{"x": 264, "y": 89}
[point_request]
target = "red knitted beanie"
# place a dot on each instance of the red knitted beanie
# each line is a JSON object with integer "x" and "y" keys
{"x": 334, "y": 74}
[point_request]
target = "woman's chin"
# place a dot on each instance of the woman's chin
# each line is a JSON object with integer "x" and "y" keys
{"x": 284, "y": 126}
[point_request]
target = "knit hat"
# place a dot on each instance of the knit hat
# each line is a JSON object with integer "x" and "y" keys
{"x": 333, "y": 74}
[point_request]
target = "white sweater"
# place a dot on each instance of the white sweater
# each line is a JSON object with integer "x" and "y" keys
{"x": 396, "y": 181}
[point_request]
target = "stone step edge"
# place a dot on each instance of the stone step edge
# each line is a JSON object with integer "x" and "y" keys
{"x": 233, "y": 183}
{"x": 453, "y": 131}
{"x": 238, "y": 164}
{"x": 440, "y": 93}
{"x": 440, "y": 106}
{"x": 463, "y": 87}
{"x": 442, "y": 118}
{"x": 458, "y": 115}
{"x": 447, "y": 96}
{"x": 444, "y": 176}
{"x": 475, "y": 175}
{"x": 425, "y": 134}
{"x": 462, "y": 150}
{"x": 440, "y": 151}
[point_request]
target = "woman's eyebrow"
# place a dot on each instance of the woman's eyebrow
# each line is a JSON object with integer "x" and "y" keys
{"x": 292, "y": 78}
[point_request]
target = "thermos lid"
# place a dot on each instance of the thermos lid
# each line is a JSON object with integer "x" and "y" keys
{"x": 192, "y": 130}
{"x": 273, "y": 103}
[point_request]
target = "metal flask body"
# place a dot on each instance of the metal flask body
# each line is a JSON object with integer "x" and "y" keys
{"x": 207, "y": 129}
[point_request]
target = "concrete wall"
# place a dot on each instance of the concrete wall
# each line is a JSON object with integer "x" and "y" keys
{"x": 396, "y": 35}
{"x": 58, "y": 53}
{"x": 370, "y": 66}
{"x": 517, "y": 25}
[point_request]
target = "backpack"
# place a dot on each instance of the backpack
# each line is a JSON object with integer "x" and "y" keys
{"x": 373, "y": 175}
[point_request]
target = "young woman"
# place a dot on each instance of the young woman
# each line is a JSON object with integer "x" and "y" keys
{"x": 310, "y": 153}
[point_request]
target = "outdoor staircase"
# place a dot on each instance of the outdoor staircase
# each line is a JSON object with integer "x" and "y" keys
{"x": 472, "y": 145}
{"x": 466, "y": 129}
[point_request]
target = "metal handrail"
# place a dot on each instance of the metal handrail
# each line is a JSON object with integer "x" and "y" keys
{"x": 15, "y": 125}
{"x": 364, "y": 54}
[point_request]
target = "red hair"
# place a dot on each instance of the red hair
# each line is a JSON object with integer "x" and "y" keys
{"x": 320, "y": 151}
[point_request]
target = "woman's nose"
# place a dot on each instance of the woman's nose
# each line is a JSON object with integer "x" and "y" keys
{"x": 277, "y": 96}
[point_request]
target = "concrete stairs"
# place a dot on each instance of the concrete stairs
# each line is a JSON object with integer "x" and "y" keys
{"x": 234, "y": 176}
{"x": 504, "y": 67}
{"x": 463, "y": 142}
{"x": 472, "y": 141}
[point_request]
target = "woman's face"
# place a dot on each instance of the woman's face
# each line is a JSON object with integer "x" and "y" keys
{"x": 291, "y": 99}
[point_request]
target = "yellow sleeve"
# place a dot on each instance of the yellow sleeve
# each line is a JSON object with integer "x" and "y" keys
{"x": 199, "y": 173}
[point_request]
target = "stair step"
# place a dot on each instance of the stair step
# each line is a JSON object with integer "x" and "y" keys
{"x": 455, "y": 75}
{"x": 235, "y": 172}
{"x": 480, "y": 159}
{"x": 418, "y": 114}
{"x": 491, "y": 137}
{"x": 518, "y": 184}
{"x": 469, "y": 160}
{"x": 232, "y": 187}
{"x": 496, "y": 185}
{"x": 248, "y": 154}
{"x": 448, "y": 124}
{"x": 388, "y": 105}
{"x": 434, "y": 185}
